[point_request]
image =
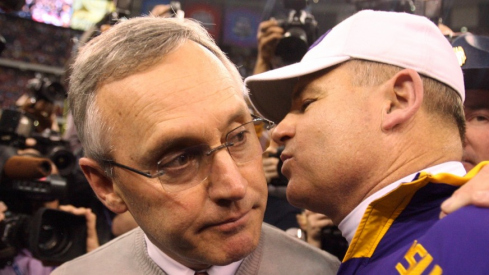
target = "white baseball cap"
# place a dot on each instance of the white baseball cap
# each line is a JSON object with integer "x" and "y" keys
{"x": 401, "y": 39}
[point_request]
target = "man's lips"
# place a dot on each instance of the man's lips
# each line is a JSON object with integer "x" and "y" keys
{"x": 232, "y": 223}
{"x": 285, "y": 157}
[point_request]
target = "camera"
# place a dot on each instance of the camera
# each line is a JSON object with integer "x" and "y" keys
{"x": 27, "y": 181}
{"x": 51, "y": 146}
{"x": 176, "y": 9}
{"x": 300, "y": 32}
{"x": 39, "y": 101}
{"x": 16, "y": 126}
{"x": 52, "y": 236}
{"x": 333, "y": 241}
{"x": 42, "y": 87}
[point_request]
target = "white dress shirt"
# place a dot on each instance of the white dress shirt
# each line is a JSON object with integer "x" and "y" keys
{"x": 172, "y": 267}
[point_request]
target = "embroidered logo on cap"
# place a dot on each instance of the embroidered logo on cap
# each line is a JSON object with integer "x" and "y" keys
{"x": 460, "y": 53}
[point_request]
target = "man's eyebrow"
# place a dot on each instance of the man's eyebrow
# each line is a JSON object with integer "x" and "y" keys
{"x": 242, "y": 112}
{"x": 298, "y": 89}
{"x": 166, "y": 146}
{"x": 180, "y": 142}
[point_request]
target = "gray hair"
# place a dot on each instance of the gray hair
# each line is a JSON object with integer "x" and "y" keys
{"x": 129, "y": 47}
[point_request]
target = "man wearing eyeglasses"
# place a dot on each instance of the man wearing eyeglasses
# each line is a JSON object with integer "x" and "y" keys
{"x": 373, "y": 126}
{"x": 167, "y": 135}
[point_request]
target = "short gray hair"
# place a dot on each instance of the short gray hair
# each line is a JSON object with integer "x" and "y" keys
{"x": 129, "y": 47}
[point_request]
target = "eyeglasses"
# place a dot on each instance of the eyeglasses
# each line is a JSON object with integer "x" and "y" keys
{"x": 190, "y": 166}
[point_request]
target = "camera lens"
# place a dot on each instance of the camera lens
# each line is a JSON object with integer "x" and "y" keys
{"x": 64, "y": 160}
{"x": 53, "y": 239}
{"x": 293, "y": 46}
{"x": 53, "y": 91}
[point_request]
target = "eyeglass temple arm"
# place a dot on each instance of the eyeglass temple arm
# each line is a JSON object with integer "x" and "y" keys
{"x": 270, "y": 124}
{"x": 146, "y": 174}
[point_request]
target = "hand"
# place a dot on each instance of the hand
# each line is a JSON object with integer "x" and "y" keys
{"x": 161, "y": 11}
{"x": 475, "y": 192}
{"x": 302, "y": 220}
{"x": 92, "y": 238}
{"x": 270, "y": 163}
{"x": 3, "y": 208}
{"x": 269, "y": 33}
{"x": 270, "y": 168}
{"x": 315, "y": 224}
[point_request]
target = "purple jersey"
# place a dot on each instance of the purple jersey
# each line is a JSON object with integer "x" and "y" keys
{"x": 401, "y": 233}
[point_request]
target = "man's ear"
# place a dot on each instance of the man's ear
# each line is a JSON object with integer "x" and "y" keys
{"x": 404, "y": 92}
{"x": 102, "y": 185}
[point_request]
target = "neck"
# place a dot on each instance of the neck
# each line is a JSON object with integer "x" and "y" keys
{"x": 414, "y": 155}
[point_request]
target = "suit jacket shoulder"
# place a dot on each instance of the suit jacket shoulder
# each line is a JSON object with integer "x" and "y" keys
{"x": 124, "y": 255}
{"x": 277, "y": 253}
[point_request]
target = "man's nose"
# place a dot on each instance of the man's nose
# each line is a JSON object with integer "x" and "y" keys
{"x": 225, "y": 179}
{"x": 285, "y": 129}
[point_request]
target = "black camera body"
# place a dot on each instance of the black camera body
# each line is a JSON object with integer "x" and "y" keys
{"x": 51, "y": 146}
{"x": 26, "y": 183}
{"x": 45, "y": 88}
{"x": 300, "y": 32}
{"x": 16, "y": 126}
{"x": 52, "y": 236}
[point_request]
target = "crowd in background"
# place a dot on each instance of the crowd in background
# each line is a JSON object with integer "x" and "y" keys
{"x": 53, "y": 46}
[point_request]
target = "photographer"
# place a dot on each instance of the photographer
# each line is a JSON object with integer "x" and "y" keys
{"x": 36, "y": 232}
{"x": 269, "y": 34}
{"x": 23, "y": 262}
{"x": 283, "y": 42}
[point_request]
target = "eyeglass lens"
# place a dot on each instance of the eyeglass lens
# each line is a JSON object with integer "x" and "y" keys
{"x": 192, "y": 165}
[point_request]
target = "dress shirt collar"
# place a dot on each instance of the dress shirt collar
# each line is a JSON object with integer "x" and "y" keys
{"x": 350, "y": 223}
{"x": 172, "y": 267}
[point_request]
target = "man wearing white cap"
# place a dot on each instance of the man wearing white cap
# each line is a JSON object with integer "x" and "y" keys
{"x": 372, "y": 123}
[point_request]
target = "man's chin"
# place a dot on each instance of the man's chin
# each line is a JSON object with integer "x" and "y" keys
{"x": 233, "y": 252}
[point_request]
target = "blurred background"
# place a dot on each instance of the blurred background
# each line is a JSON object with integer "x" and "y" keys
{"x": 41, "y": 35}
{"x": 38, "y": 39}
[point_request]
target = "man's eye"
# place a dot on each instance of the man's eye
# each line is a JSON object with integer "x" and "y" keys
{"x": 239, "y": 137}
{"x": 481, "y": 118}
{"x": 306, "y": 104}
{"x": 178, "y": 161}
{"x": 477, "y": 117}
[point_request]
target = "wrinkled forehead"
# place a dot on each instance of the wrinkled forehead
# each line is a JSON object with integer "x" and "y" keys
{"x": 188, "y": 87}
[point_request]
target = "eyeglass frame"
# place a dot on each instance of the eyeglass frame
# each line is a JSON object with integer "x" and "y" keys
{"x": 270, "y": 124}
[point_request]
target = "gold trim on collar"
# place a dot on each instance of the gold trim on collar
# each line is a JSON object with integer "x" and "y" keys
{"x": 381, "y": 213}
